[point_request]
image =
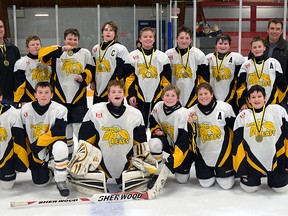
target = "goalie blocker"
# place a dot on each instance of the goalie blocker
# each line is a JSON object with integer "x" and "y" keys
{"x": 86, "y": 179}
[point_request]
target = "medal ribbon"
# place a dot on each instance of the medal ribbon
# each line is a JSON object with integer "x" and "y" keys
{"x": 187, "y": 58}
{"x": 217, "y": 64}
{"x": 3, "y": 51}
{"x": 259, "y": 74}
{"x": 101, "y": 57}
{"x": 259, "y": 129}
{"x": 146, "y": 63}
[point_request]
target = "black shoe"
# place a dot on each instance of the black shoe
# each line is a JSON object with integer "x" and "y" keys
{"x": 62, "y": 187}
{"x": 152, "y": 181}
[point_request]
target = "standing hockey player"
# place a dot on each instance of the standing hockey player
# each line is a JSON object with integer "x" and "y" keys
{"x": 13, "y": 154}
{"x": 28, "y": 71}
{"x": 147, "y": 72}
{"x": 118, "y": 132}
{"x": 168, "y": 125}
{"x": 72, "y": 69}
{"x": 260, "y": 144}
{"x": 45, "y": 123}
{"x": 224, "y": 67}
{"x": 189, "y": 66}
{"x": 214, "y": 121}
{"x": 263, "y": 71}
{"x": 109, "y": 57}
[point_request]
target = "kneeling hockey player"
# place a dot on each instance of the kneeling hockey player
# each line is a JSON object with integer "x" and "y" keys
{"x": 45, "y": 123}
{"x": 113, "y": 144}
{"x": 13, "y": 154}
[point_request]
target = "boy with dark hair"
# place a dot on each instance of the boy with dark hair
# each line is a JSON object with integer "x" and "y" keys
{"x": 189, "y": 66}
{"x": 72, "y": 71}
{"x": 45, "y": 124}
{"x": 260, "y": 144}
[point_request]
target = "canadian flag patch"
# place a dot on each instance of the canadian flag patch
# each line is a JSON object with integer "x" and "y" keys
{"x": 136, "y": 57}
{"x": 98, "y": 115}
{"x": 26, "y": 114}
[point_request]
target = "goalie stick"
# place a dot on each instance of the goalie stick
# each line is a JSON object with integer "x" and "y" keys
{"x": 104, "y": 197}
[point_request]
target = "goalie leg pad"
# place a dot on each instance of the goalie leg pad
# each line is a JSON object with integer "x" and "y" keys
{"x": 133, "y": 180}
{"x": 90, "y": 183}
{"x": 87, "y": 158}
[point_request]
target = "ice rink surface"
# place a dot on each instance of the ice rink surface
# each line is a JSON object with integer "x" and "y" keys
{"x": 174, "y": 200}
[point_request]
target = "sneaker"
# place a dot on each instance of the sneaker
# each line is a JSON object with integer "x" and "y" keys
{"x": 62, "y": 187}
{"x": 152, "y": 181}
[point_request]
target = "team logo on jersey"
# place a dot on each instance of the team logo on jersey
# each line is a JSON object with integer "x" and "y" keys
{"x": 39, "y": 129}
{"x": 150, "y": 72}
{"x": 267, "y": 129}
{"x": 41, "y": 73}
{"x": 222, "y": 74}
{"x": 3, "y": 134}
{"x": 209, "y": 132}
{"x": 263, "y": 80}
{"x": 115, "y": 135}
{"x": 179, "y": 71}
{"x": 102, "y": 66}
{"x": 168, "y": 129}
{"x": 71, "y": 66}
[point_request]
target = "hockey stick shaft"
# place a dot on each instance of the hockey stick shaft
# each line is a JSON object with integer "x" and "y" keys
{"x": 104, "y": 197}
{"x": 49, "y": 202}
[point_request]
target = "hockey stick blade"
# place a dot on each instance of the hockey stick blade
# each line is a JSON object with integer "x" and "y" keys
{"x": 129, "y": 196}
{"x": 104, "y": 197}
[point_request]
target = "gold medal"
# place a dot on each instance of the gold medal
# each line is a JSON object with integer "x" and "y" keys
{"x": 259, "y": 138}
{"x": 148, "y": 74}
{"x": 218, "y": 78}
{"x": 185, "y": 75}
{"x": 70, "y": 52}
{"x": 194, "y": 117}
{"x": 100, "y": 67}
{"x": 6, "y": 62}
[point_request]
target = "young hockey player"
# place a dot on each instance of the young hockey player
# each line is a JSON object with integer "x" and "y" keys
{"x": 72, "y": 69}
{"x": 189, "y": 66}
{"x": 13, "y": 154}
{"x": 118, "y": 132}
{"x": 263, "y": 71}
{"x": 168, "y": 125}
{"x": 214, "y": 121}
{"x": 45, "y": 123}
{"x": 109, "y": 57}
{"x": 28, "y": 71}
{"x": 224, "y": 67}
{"x": 260, "y": 144}
{"x": 147, "y": 71}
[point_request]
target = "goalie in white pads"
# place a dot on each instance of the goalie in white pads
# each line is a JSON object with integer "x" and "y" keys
{"x": 118, "y": 133}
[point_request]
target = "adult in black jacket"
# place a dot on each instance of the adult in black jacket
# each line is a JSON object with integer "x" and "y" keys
{"x": 276, "y": 45}
{"x": 9, "y": 54}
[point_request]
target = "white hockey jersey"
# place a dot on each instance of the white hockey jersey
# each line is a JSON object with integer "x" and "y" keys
{"x": 213, "y": 133}
{"x": 114, "y": 136}
{"x": 224, "y": 81}
{"x": 188, "y": 78}
{"x": 27, "y": 73}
